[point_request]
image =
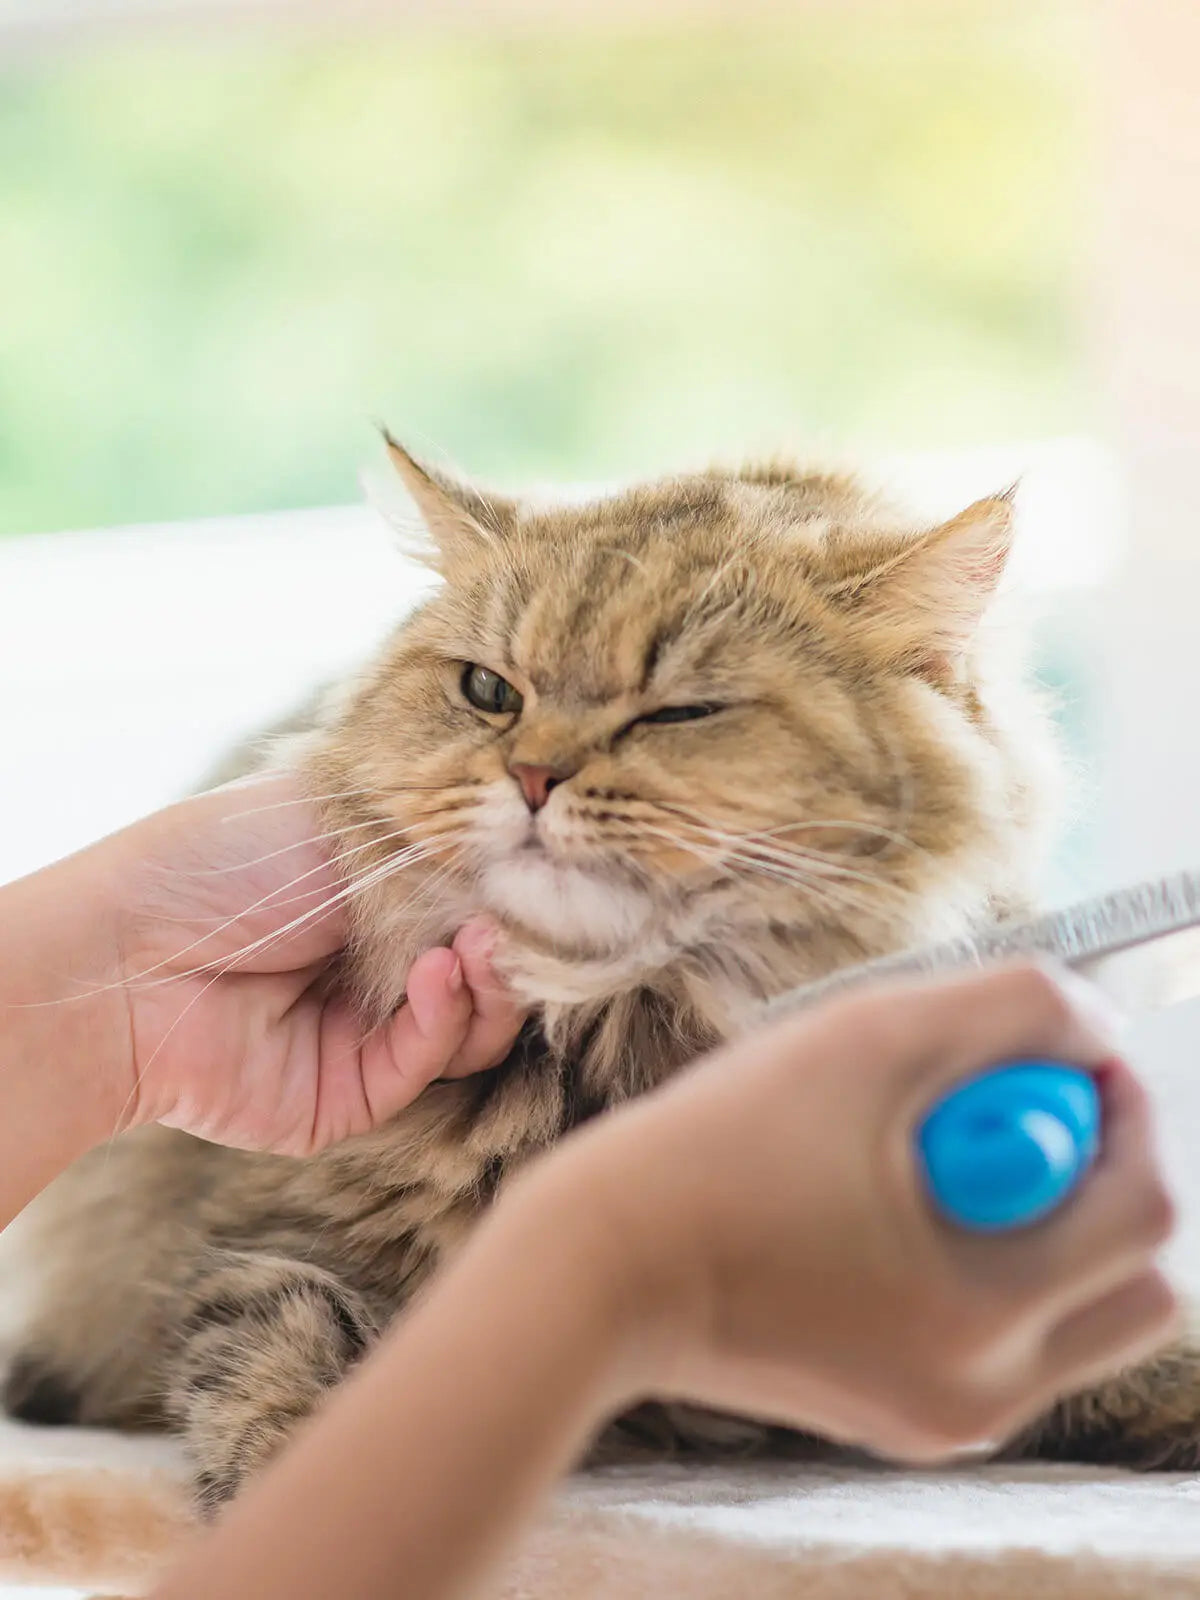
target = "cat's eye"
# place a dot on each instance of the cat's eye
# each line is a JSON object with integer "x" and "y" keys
{"x": 679, "y": 713}
{"x": 488, "y": 691}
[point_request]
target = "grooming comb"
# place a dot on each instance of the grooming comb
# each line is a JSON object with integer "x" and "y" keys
{"x": 1008, "y": 1147}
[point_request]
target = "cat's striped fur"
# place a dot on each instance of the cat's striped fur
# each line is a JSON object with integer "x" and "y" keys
{"x": 876, "y": 776}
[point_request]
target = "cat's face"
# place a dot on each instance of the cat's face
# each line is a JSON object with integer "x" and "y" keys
{"x": 710, "y": 713}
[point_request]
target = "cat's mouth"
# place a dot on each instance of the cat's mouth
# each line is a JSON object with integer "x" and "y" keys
{"x": 548, "y": 875}
{"x": 581, "y": 902}
{"x": 538, "y": 844}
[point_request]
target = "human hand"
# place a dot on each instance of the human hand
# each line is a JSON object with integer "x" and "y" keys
{"x": 226, "y": 911}
{"x": 777, "y": 1256}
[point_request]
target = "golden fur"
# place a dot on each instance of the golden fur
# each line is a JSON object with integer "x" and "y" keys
{"x": 875, "y": 775}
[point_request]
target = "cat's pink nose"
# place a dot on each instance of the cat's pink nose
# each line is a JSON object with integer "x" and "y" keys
{"x": 537, "y": 782}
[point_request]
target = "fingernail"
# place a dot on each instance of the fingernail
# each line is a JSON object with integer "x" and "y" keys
{"x": 1098, "y": 1009}
{"x": 972, "y": 1452}
{"x": 454, "y": 978}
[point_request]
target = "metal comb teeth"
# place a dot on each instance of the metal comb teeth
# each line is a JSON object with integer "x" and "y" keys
{"x": 1091, "y": 936}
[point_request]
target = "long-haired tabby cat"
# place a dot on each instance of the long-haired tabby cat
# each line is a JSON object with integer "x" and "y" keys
{"x": 688, "y": 745}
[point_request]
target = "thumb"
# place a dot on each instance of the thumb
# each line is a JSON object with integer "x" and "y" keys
{"x": 417, "y": 1045}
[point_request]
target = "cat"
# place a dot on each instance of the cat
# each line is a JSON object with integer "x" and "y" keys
{"x": 688, "y": 745}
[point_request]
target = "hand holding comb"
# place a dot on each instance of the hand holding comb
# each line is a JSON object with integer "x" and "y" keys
{"x": 1009, "y": 1146}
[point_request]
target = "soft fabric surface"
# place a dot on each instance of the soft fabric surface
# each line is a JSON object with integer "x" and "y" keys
{"x": 103, "y": 1512}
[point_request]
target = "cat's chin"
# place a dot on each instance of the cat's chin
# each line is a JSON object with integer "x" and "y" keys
{"x": 565, "y": 904}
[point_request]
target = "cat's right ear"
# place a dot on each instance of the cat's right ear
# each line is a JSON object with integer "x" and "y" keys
{"x": 459, "y": 523}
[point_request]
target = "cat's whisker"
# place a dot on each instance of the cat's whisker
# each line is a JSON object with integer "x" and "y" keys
{"x": 449, "y": 847}
{"x": 395, "y": 862}
{"x": 849, "y": 824}
{"x": 815, "y": 884}
{"x": 817, "y": 862}
{"x": 825, "y": 895}
{"x": 720, "y": 572}
{"x": 370, "y": 879}
{"x": 708, "y": 855}
{"x": 266, "y": 901}
{"x": 93, "y": 991}
{"x": 296, "y": 800}
{"x": 446, "y": 790}
{"x": 359, "y": 884}
{"x": 376, "y": 874}
{"x": 624, "y": 555}
{"x": 341, "y": 794}
{"x": 786, "y": 856}
{"x": 809, "y": 872}
{"x": 143, "y": 1072}
{"x": 334, "y": 860}
{"x": 371, "y": 844}
{"x": 230, "y": 965}
{"x": 337, "y": 860}
{"x": 272, "y": 855}
{"x": 427, "y": 889}
{"x": 875, "y": 829}
{"x": 764, "y": 860}
{"x": 833, "y": 891}
{"x": 424, "y": 891}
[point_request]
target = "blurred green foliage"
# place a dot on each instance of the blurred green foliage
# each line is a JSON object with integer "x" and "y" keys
{"x": 562, "y": 254}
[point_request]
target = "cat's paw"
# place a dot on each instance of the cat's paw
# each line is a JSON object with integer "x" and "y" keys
{"x": 211, "y": 1492}
{"x": 36, "y": 1391}
{"x": 264, "y": 1342}
{"x": 225, "y": 1459}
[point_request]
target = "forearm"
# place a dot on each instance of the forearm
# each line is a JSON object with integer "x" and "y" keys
{"x": 63, "y": 1023}
{"x": 426, "y": 1465}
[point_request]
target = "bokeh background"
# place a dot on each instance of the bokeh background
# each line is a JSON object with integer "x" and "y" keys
{"x": 558, "y": 246}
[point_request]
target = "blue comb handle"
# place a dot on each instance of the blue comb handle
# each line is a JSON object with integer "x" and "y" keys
{"x": 1007, "y": 1148}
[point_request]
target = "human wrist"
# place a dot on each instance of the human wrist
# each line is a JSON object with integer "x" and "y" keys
{"x": 577, "y": 1212}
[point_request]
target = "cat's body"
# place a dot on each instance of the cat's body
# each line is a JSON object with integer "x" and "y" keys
{"x": 730, "y": 732}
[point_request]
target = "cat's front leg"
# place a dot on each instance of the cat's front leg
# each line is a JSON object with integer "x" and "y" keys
{"x": 264, "y": 1340}
{"x": 1147, "y": 1417}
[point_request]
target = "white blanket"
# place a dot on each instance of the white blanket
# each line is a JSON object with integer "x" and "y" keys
{"x": 102, "y": 1512}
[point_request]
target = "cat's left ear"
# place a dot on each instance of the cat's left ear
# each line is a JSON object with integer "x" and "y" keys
{"x": 462, "y": 524}
{"x": 926, "y": 597}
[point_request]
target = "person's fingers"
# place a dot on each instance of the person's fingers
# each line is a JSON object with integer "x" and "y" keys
{"x": 950, "y": 1029}
{"x": 457, "y": 1018}
{"x": 1110, "y": 1229}
{"x": 496, "y": 1017}
{"x": 946, "y": 1422}
{"x": 1131, "y": 1321}
{"x": 1123, "y": 1214}
{"x": 415, "y": 1046}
